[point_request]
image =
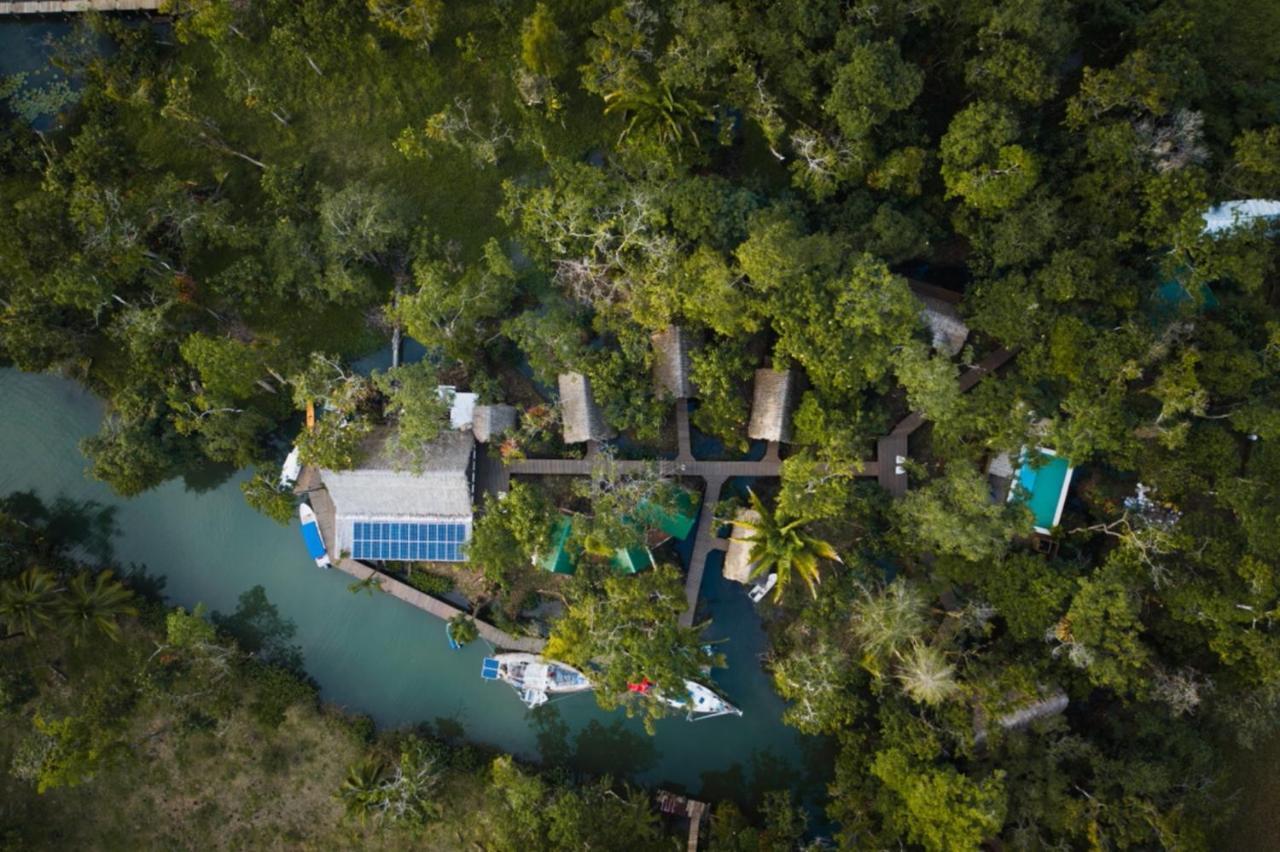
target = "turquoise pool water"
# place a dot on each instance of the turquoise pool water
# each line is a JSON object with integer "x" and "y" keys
{"x": 1044, "y": 486}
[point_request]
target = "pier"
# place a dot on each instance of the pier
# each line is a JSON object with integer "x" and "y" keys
{"x": 64, "y": 7}
{"x": 322, "y": 505}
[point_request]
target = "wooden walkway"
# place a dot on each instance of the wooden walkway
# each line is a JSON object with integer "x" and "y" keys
{"x": 714, "y": 473}
{"x": 63, "y": 7}
{"x": 323, "y": 506}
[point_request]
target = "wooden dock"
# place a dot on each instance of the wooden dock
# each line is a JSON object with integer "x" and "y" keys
{"x": 309, "y": 483}
{"x": 65, "y": 7}
{"x": 884, "y": 468}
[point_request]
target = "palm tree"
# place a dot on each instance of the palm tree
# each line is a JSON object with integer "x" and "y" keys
{"x": 362, "y": 791}
{"x": 96, "y": 604}
{"x": 884, "y": 622}
{"x": 656, "y": 107}
{"x": 29, "y": 602}
{"x": 781, "y": 546}
{"x": 925, "y": 674}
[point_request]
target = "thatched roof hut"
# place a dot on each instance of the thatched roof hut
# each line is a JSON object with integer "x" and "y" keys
{"x": 771, "y": 405}
{"x": 737, "y": 559}
{"x": 489, "y": 421}
{"x": 671, "y": 365}
{"x": 583, "y": 420}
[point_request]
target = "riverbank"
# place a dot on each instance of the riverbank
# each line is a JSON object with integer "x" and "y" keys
{"x": 376, "y": 655}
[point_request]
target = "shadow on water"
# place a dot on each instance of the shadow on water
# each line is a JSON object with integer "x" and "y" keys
{"x": 72, "y": 527}
{"x": 598, "y": 748}
{"x": 203, "y": 478}
{"x": 259, "y": 629}
{"x": 746, "y": 785}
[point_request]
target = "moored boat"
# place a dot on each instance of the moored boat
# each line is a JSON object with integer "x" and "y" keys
{"x": 311, "y": 536}
{"x": 701, "y": 702}
{"x": 291, "y": 469}
{"x": 533, "y": 678}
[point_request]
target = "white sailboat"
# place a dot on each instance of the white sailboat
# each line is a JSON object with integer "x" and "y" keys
{"x": 534, "y": 679}
{"x": 701, "y": 702}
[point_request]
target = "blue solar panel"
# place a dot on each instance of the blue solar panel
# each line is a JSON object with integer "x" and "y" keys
{"x": 401, "y": 542}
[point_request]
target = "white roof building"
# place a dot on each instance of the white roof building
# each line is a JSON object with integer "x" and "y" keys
{"x": 387, "y": 511}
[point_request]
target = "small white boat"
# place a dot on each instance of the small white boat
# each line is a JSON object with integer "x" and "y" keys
{"x": 311, "y": 536}
{"x": 702, "y": 702}
{"x": 291, "y": 469}
{"x": 533, "y": 678}
{"x": 762, "y": 588}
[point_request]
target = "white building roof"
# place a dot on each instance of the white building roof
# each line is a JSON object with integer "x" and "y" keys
{"x": 1231, "y": 214}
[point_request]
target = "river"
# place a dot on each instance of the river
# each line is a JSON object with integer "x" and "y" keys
{"x": 376, "y": 655}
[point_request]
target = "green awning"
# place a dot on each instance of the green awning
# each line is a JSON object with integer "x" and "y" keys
{"x": 677, "y": 521}
{"x": 632, "y": 560}
{"x": 557, "y": 560}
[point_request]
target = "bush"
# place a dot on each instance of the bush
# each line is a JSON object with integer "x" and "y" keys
{"x": 463, "y": 629}
{"x": 276, "y": 691}
{"x": 431, "y": 584}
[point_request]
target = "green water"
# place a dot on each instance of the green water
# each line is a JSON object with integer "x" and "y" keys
{"x": 379, "y": 656}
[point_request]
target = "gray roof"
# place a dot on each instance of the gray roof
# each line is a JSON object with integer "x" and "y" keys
{"x": 384, "y": 486}
{"x": 671, "y": 363}
{"x": 948, "y": 330}
{"x": 582, "y": 418}
{"x": 771, "y": 406}
{"x": 737, "y": 559}
{"x": 939, "y": 313}
{"x": 489, "y": 421}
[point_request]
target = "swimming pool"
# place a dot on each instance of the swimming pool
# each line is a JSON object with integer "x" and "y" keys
{"x": 1045, "y": 487}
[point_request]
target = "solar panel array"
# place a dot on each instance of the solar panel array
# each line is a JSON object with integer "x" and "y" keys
{"x": 408, "y": 542}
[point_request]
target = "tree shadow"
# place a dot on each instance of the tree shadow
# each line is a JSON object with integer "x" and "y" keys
{"x": 259, "y": 629}
{"x": 597, "y": 749}
{"x": 67, "y": 525}
{"x": 612, "y": 749}
{"x": 552, "y": 734}
{"x": 746, "y": 785}
{"x": 207, "y": 477}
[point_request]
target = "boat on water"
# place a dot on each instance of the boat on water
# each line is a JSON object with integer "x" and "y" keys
{"x": 534, "y": 679}
{"x": 311, "y": 536}
{"x": 701, "y": 702}
{"x": 291, "y": 469}
{"x": 762, "y": 588}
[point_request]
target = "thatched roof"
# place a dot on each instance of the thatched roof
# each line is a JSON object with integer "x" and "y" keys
{"x": 386, "y": 485}
{"x": 771, "y": 406}
{"x": 489, "y": 421}
{"x": 737, "y": 559}
{"x": 583, "y": 420}
{"x": 671, "y": 363}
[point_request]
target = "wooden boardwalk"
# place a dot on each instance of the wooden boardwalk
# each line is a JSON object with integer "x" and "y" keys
{"x": 63, "y": 7}
{"x": 714, "y": 473}
{"x": 323, "y": 506}
{"x": 705, "y": 541}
